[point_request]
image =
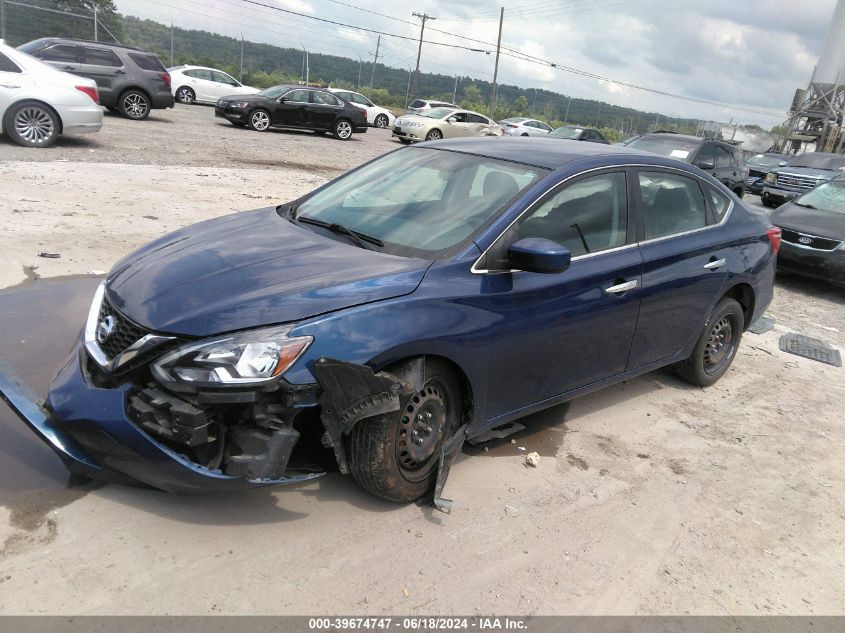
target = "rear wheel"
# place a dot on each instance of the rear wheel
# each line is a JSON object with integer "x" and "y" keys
{"x": 342, "y": 130}
{"x": 32, "y": 124}
{"x": 185, "y": 95}
{"x": 382, "y": 121}
{"x": 395, "y": 456}
{"x": 716, "y": 347}
{"x": 134, "y": 105}
{"x": 259, "y": 120}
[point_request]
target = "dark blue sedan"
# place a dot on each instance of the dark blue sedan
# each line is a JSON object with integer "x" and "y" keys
{"x": 422, "y": 299}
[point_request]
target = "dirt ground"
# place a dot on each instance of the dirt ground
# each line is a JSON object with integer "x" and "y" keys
{"x": 651, "y": 497}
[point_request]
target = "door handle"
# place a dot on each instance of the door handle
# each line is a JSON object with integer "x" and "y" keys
{"x": 119, "y": 72}
{"x": 620, "y": 288}
{"x": 68, "y": 68}
{"x": 716, "y": 263}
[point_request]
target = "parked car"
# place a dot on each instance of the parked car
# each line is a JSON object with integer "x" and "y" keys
{"x": 38, "y": 103}
{"x": 577, "y": 133}
{"x": 418, "y": 106}
{"x": 813, "y": 228}
{"x": 376, "y": 115}
{"x": 443, "y": 123}
{"x": 199, "y": 84}
{"x": 803, "y": 173}
{"x": 422, "y": 299}
{"x": 522, "y": 126}
{"x": 759, "y": 166}
{"x": 293, "y": 107}
{"x": 723, "y": 160}
{"x": 130, "y": 81}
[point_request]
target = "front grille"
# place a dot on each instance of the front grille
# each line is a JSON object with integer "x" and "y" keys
{"x": 796, "y": 182}
{"x": 810, "y": 241}
{"x": 124, "y": 334}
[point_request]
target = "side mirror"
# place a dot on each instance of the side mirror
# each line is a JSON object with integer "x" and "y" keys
{"x": 539, "y": 255}
{"x": 451, "y": 119}
{"x": 705, "y": 164}
{"x": 782, "y": 163}
{"x": 282, "y": 99}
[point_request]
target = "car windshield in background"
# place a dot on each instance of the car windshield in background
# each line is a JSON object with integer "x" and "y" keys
{"x": 829, "y": 197}
{"x": 765, "y": 161}
{"x": 273, "y": 92}
{"x": 567, "y": 132}
{"x": 679, "y": 148}
{"x": 438, "y": 113}
{"x": 419, "y": 201}
{"x": 818, "y": 161}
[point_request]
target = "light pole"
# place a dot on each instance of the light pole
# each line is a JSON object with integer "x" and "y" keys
{"x": 423, "y": 18}
{"x": 360, "y": 63}
{"x": 408, "y": 89}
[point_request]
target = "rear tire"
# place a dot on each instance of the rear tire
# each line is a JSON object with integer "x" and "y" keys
{"x": 396, "y": 456}
{"x": 134, "y": 104}
{"x": 342, "y": 130}
{"x": 185, "y": 95}
{"x": 382, "y": 121}
{"x": 716, "y": 347}
{"x": 32, "y": 124}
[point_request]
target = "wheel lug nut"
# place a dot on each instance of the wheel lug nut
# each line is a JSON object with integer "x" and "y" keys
{"x": 419, "y": 441}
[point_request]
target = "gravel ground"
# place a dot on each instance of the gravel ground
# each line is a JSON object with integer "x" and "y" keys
{"x": 650, "y": 497}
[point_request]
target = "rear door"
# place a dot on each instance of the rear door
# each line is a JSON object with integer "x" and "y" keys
{"x": 104, "y": 67}
{"x": 323, "y": 110}
{"x": 685, "y": 261}
{"x": 65, "y": 57}
{"x": 726, "y": 170}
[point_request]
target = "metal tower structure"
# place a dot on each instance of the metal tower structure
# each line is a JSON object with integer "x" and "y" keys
{"x": 817, "y": 112}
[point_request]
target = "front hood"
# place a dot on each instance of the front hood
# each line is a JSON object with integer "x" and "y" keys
{"x": 248, "y": 270}
{"x": 411, "y": 118}
{"x": 249, "y": 98}
{"x": 810, "y": 221}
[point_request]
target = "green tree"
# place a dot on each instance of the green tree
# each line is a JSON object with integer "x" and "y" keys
{"x": 75, "y": 19}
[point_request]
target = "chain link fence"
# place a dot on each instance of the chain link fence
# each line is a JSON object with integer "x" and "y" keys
{"x": 22, "y": 22}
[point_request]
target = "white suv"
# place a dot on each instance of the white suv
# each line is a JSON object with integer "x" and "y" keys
{"x": 418, "y": 106}
{"x": 376, "y": 115}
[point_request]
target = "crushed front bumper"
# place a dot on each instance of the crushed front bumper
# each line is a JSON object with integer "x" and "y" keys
{"x": 90, "y": 431}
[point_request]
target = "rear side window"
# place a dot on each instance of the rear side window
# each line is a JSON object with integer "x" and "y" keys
{"x": 199, "y": 73}
{"x": 417, "y": 104}
{"x": 719, "y": 203}
{"x": 723, "y": 157}
{"x": 101, "y": 57}
{"x": 60, "y": 53}
{"x": 326, "y": 99}
{"x": 7, "y": 65}
{"x": 588, "y": 216}
{"x": 474, "y": 118}
{"x": 147, "y": 62}
{"x": 672, "y": 204}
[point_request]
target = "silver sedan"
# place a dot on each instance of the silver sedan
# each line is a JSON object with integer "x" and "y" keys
{"x": 443, "y": 123}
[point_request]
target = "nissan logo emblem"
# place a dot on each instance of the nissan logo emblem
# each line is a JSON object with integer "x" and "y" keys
{"x": 106, "y": 328}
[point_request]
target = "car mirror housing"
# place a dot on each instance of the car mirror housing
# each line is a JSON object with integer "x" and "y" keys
{"x": 705, "y": 164}
{"x": 451, "y": 119}
{"x": 282, "y": 99}
{"x": 539, "y": 255}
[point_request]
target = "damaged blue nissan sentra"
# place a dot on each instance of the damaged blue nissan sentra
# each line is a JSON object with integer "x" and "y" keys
{"x": 420, "y": 300}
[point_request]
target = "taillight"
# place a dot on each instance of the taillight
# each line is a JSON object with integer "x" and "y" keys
{"x": 91, "y": 92}
{"x": 774, "y": 234}
{"x": 165, "y": 77}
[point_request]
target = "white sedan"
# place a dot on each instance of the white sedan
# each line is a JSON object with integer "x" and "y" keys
{"x": 376, "y": 115}
{"x": 37, "y": 102}
{"x": 199, "y": 84}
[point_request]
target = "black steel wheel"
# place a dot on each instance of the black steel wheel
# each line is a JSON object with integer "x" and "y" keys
{"x": 395, "y": 456}
{"x": 716, "y": 347}
{"x": 185, "y": 95}
{"x": 134, "y": 104}
{"x": 32, "y": 124}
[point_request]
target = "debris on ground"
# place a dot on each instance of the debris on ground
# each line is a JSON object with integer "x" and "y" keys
{"x": 812, "y": 348}
{"x": 511, "y": 511}
{"x": 532, "y": 459}
{"x": 762, "y": 325}
{"x": 50, "y": 255}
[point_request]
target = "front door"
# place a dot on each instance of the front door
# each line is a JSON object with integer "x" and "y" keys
{"x": 685, "y": 262}
{"x": 562, "y": 331}
{"x": 292, "y": 109}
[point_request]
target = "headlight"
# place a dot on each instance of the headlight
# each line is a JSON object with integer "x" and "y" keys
{"x": 242, "y": 359}
{"x": 239, "y": 104}
{"x": 771, "y": 177}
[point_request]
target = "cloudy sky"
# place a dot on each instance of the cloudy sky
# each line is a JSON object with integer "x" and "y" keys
{"x": 750, "y": 54}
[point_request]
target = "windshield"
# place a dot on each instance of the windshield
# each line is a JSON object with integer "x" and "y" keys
{"x": 274, "y": 92}
{"x": 818, "y": 161}
{"x": 420, "y": 201}
{"x": 766, "y": 161}
{"x": 438, "y": 113}
{"x": 829, "y": 196}
{"x": 567, "y": 132}
{"x": 680, "y": 148}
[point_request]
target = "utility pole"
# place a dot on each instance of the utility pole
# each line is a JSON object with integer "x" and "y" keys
{"x": 241, "y": 78}
{"x": 360, "y": 64}
{"x": 454, "y": 92}
{"x": 95, "y": 23}
{"x": 408, "y": 89}
{"x": 598, "y": 116}
{"x": 534, "y": 107}
{"x": 305, "y": 64}
{"x": 171, "y": 42}
{"x": 2, "y": 19}
{"x": 423, "y": 17}
{"x": 566, "y": 116}
{"x": 375, "y": 61}
{"x": 496, "y": 69}
{"x": 656, "y": 119}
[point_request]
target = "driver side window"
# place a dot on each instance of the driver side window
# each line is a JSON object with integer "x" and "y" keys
{"x": 299, "y": 96}
{"x": 587, "y": 216}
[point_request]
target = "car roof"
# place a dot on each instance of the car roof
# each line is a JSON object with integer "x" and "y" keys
{"x": 685, "y": 137}
{"x": 549, "y": 153}
{"x": 74, "y": 40}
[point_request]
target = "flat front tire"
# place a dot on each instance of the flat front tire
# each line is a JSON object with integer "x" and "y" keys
{"x": 395, "y": 456}
{"x": 716, "y": 347}
{"x": 32, "y": 124}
